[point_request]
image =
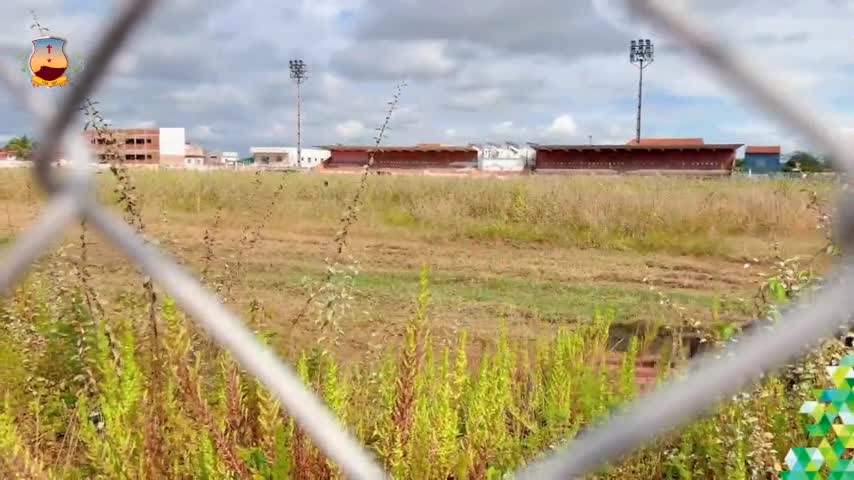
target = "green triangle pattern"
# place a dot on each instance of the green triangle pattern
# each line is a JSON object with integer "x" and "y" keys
{"x": 832, "y": 411}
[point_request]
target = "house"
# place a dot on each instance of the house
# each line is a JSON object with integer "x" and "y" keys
{"x": 421, "y": 156}
{"x": 150, "y": 147}
{"x": 506, "y": 158}
{"x": 762, "y": 160}
{"x": 650, "y": 156}
{"x": 286, "y": 157}
{"x": 194, "y": 156}
{"x": 230, "y": 159}
{"x": 213, "y": 159}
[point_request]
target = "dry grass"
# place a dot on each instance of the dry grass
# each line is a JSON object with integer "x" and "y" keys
{"x": 681, "y": 216}
{"x": 538, "y": 252}
{"x": 564, "y": 264}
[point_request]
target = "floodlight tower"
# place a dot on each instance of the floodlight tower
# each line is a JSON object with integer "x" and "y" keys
{"x": 642, "y": 55}
{"x": 299, "y": 75}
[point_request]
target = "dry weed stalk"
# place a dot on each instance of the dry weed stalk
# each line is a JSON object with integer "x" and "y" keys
{"x": 350, "y": 217}
{"x": 209, "y": 242}
{"x": 128, "y": 201}
{"x": 250, "y": 237}
{"x": 125, "y": 190}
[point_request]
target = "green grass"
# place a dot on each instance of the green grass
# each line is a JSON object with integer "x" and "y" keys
{"x": 177, "y": 407}
{"x": 462, "y": 418}
{"x": 549, "y": 301}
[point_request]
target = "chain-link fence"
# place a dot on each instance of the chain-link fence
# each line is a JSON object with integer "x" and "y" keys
{"x": 672, "y": 406}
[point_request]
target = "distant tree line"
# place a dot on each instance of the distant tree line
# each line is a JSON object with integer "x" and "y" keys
{"x": 801, "y": 161}
{"x": 21, "y": 147}
{"x": 806, "y": 162}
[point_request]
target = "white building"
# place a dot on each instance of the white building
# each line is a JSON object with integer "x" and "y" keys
{"x": 194, "y": 156}
{"x": 172, "y": 147}
{"x": 286, "y": 157}
{"x": 506, "y": 158}
{"x": 230, "y": 159}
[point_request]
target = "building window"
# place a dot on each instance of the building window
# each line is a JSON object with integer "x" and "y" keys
{"x": 140, "y": 157}
{"x": 148, "y": 157}
{"x": 129, "y": 141}
{"x": 147, "y": 140}
{"x": 140, "y": 141}
{"x": 128, "y": 157}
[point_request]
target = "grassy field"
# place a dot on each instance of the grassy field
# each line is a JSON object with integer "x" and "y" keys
{"x": 537, "y": 251}
{"x": 567, "y": 268}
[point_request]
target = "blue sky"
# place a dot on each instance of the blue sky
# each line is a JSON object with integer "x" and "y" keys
{"x": 477, "y": 71}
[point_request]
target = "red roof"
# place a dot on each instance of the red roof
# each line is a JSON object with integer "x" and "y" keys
{"x": 667, "y": 142}
{"x": 417, "y": 148}
{"x": 634, "y": 146}
{"x": 764, "y": 150}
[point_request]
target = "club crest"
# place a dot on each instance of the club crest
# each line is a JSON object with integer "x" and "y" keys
{"x": 48, "y": 62}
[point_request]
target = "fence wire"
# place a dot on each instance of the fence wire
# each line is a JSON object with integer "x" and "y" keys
{"x": 672, "y": 406}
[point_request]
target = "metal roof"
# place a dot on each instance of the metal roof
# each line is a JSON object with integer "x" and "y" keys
{"x": 634, "y": 146}
{"x": 663, "y": 142}
{"x": 417, "y": 148}
{"x": 763, "y": 150}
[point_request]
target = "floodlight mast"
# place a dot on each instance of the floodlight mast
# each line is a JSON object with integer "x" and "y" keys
{"x": 642, "y": 54}
{"x": 299, "y": 75}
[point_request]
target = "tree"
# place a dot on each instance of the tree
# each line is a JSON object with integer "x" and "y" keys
{"x": 804, "y": 162}
{"x": 21, "y": 147}
{"x": 830, "y": 165}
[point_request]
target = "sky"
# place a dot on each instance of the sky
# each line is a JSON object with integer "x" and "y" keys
{"x": 544, "y": 71}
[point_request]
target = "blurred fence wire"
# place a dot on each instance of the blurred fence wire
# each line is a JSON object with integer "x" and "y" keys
{"x": 672, "y": 406}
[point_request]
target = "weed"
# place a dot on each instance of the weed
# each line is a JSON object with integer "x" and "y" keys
{"x": 348, "y": 220}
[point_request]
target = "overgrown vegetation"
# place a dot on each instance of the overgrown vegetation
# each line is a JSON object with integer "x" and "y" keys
{"x": 127, "y": 387}
{"x": 76, "y": 407}
{"x": 646, "y": 215}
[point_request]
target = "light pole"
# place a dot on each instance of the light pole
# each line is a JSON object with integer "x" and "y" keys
{"x": 642, "y": 55}
{"x": 299, "y": 75}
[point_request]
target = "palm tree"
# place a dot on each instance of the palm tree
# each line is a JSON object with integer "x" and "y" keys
{"x": 21, "y": 147}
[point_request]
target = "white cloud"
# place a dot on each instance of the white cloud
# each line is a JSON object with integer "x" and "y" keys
{"x": 126, "y": 63}
{"x": 351, "y": 129}
{"x": 142, "y": 124}
{"x": 332, "y": 85}
{"x": 201, "y": 97}
{"x": 562, "y": 125}
{"x": 480, "y": 99}
{"x": 495, "y": 70}
{"x": 508, "y": 130}
{"x": 202, "y": 132}
{"x": 276, "y": 131}
{"x": 397, "y": 60}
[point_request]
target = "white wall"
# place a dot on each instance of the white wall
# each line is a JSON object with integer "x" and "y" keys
{"x": 494, "y": 158}
{"x": 311, "y": 157}
{"x": 172, "y": 141}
